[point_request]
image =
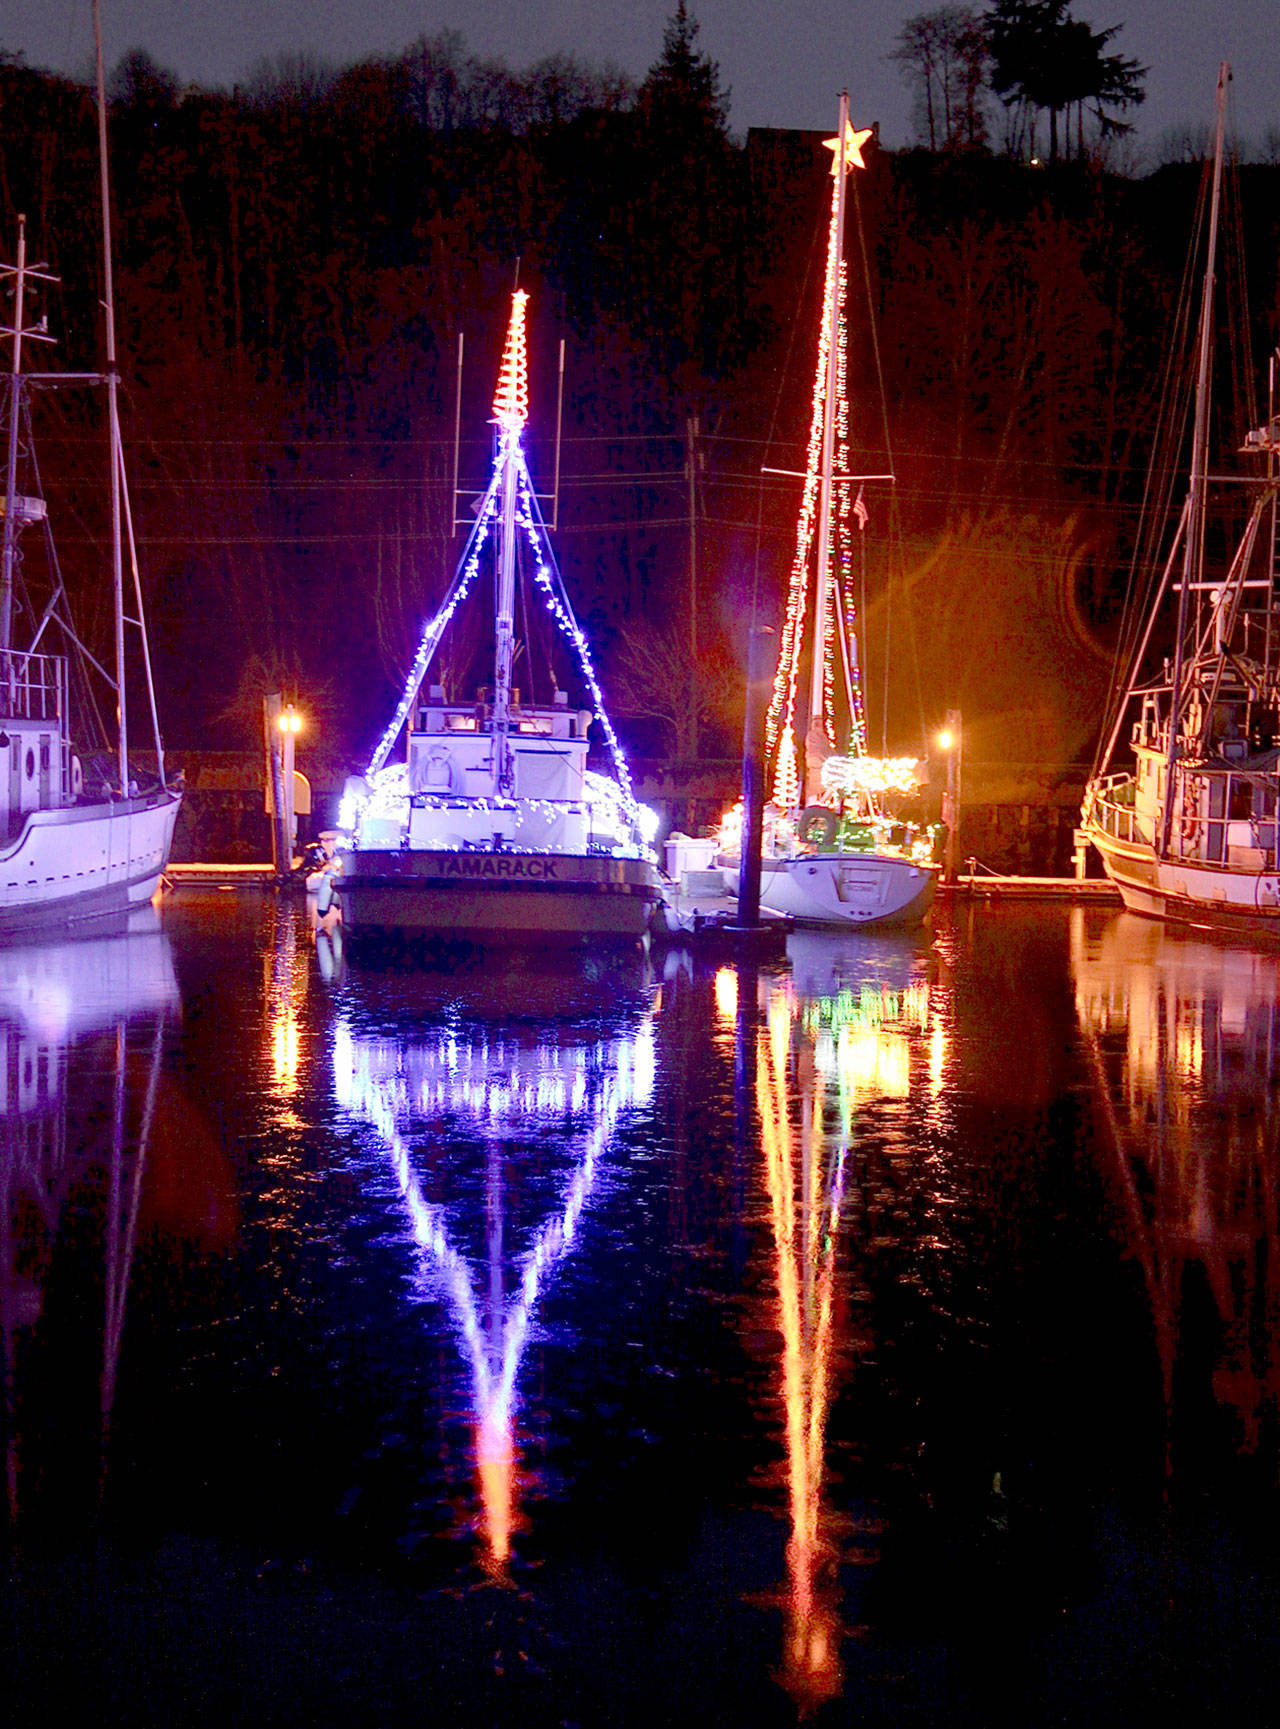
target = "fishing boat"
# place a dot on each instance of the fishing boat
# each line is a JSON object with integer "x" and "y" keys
{"x": 490, "y": 827}
{"x": 84, "y": 831}
{"x": 1187, "y": 831}
{"x": 833, "y": 853}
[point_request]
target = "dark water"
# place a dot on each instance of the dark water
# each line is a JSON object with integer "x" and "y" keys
{"x": 886, "y": 1334}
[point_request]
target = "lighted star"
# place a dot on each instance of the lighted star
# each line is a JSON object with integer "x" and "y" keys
{"x": 853, "y": 142}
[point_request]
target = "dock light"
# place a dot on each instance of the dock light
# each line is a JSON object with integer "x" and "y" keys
{"x": 289, "y": 720}
{"x": 946, "y": 739}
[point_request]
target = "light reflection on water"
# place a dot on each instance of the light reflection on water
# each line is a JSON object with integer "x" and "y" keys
{"x": 806, "y": 1292}
{"x": 1183, "y": 1036}
{"x": 101, "y": 1003}
{"x": 838, "y": 1029}
{"x": 474, "y": 1083}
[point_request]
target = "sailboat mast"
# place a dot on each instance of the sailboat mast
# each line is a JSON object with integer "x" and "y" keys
{"x": 815, "y": 732}
{"x": 11, "y": 464}
{"x": 113, "y": 415}
{"x": 1193, "y": 545}
{"x": 511, "y": 409}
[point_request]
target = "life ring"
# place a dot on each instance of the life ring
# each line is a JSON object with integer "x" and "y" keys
{"x": 1190, "y": 829}
{"x": 77, "y": 777}
{"x": 817, "y": 826}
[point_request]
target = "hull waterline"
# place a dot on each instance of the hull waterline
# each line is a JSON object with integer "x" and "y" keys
{"x": 1237, "y": 903}
{"x": 848, "y": 890}
{"x": 85, "y": 861}
{"x": 498, "y": 898}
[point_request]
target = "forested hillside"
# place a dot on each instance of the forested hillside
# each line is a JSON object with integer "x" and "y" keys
{"x": 297, "y": 262}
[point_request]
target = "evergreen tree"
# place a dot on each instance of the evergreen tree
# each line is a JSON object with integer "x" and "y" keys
{"x": 683, "y": 88}
{"x": 1043, "y": 59}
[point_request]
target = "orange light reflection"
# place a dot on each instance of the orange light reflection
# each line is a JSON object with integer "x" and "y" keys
{"x": 804, "y": 1206}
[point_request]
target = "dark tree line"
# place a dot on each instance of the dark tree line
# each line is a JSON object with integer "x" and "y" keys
{"x": 1033, "y": 57}
{"x": 297, "y": 259}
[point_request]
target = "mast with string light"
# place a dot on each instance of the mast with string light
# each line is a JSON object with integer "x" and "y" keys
{"x": 818, "y": 591}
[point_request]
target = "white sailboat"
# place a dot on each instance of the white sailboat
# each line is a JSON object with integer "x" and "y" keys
{"x": 490, "y": 828}
{"x": 831, "y": 854}
{"x": 1189, "y": 831}
{"x": 80, "y": 835}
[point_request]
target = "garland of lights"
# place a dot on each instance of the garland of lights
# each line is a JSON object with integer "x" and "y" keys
{"x": 547, "y": 576}
{"x": 511, "y": 407}
{"x": 467, "y": 568}
{"x": 837, "y": 610}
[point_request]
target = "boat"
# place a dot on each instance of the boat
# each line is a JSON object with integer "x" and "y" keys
{"x": 85, "y": 831}
{"x": 1187, "y": 829}
{"x": 489, "y": 827}
{"x": 833, "y": 853}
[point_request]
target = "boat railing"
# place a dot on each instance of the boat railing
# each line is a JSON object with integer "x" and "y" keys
{"x": 33, "y": 686}
{"x": 1114, "y": 815}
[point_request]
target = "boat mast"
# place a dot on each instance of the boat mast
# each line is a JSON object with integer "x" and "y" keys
{"x": 1193, "y": 545}
{"x": 511, "y": 410}
{"x": 815, "y": 742}
{"x": 11, "y": 465}
{"x": 113, "y": 416}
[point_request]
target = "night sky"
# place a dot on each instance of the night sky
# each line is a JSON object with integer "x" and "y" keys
{"x": 783, "y": 60}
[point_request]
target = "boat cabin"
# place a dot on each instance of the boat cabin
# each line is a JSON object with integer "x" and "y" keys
{"x": 35, "y": 767}
{"x": 454, "y": 796}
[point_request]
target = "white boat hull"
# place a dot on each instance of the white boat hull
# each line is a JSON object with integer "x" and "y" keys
{"x": 86, "y": 861}
{"x": 503, "y": 897}
{"x": 1232, "y": 900}
{"x": 849, "y": 889}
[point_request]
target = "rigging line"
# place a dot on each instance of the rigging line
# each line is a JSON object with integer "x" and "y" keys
{"x": 783, "y": 372}
{"x": 894, "y": 538}
{"x": 1153, "y": 510}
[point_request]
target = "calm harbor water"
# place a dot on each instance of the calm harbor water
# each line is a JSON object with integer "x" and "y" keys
{"x": 887, "y": 1333}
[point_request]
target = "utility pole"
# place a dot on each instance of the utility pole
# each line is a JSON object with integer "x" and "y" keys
{"x": 691, "y": 470}
{"x": 952, "y": 741}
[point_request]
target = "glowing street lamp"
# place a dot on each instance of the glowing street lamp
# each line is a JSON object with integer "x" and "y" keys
{"x": 282, "y": 723}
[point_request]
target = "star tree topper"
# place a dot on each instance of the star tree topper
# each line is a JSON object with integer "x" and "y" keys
{"x": 853, "y": 142}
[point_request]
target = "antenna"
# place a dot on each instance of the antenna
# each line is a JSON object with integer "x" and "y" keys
{"x": 555, "y": 488}
{"x": 457, "y": 432}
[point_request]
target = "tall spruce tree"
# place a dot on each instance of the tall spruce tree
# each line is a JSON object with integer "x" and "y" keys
{"x": 1046, "y": 61}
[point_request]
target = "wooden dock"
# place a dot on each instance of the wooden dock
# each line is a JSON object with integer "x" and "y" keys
{"x": 221, "y": 876}
{"x": 997, "y": 888}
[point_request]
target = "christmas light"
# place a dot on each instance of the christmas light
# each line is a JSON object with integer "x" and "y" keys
{"x": 511, "y": 399}
{"x": 855, "y": 774}
{"x": 634, "y": 831}
{"x": 467, "y": 568}
{"x": 835, "y": 584}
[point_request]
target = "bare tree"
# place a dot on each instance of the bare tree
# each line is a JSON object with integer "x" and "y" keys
{"x": 943, "y": 56}
{"x": 653, "y": 677}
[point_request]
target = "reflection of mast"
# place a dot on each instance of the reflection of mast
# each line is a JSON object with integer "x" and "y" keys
{"x": 388, "y": 1083}
{"x": 1192, "y": 1138}
{"x": 804, "y": 1212}
{"x": 51, "y": 996}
